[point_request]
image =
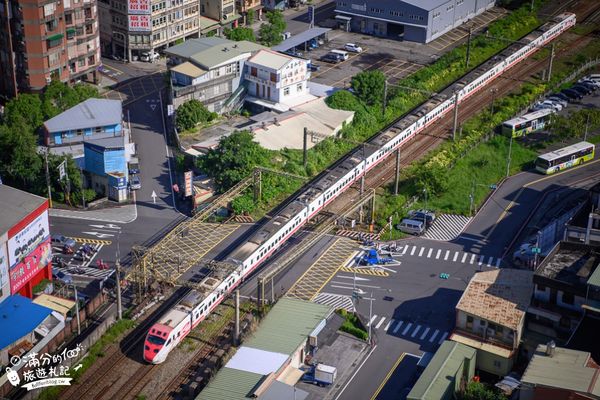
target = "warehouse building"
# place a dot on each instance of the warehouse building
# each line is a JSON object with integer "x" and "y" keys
{"x": 412, "y": 20}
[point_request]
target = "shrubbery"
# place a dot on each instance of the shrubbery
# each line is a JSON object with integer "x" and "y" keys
{"x": 192, "y": 113}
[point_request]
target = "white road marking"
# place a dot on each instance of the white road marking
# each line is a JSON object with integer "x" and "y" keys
{"x": 397, "y": 328}
{"x": 437, "y": 256}
{"x": 404, "y": 250}
{"x": 432, "y": 338}
{"x": 472, "y": 259}
{"x": 421, "y": 252}
{"x": 447, "y": 254}
{"x": 380, "y": 322}
{"x": 464, "y": 258}
{"x": 412, "y": 252}
{"x": 372, "y": 319}
{"x": 481, "y": 258}
{"x": 455, "y": 256}
{"x": 424, "y": 333}
{"x": 429, "y": 253}
{"x": 498, "y": 261}
{"x": 443, "y": 337}
{"x": 358, "y": 278}
{"x": 490, "y": 261}
{"x": 416, "y": 331}
{"x": 388, "y": 325}
{"x": 407, "y": 328}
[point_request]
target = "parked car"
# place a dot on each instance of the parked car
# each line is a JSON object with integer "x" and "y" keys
{"x": 588, "y": 79}
{"x": 353, "y": 47}
{"x": 135, "y": 183}
{"x": 411, "y": 226}
{"x": 422, "y": 215}
{"x": 558, "y": 100}
{"x": 561, "y": 96}
{"x": 149, "y": 56}
{"x": 63, "y": 241}
{"x": 134, "y": 171}
{"x": 584, "y": 91}
{"x": 592, "y": 86}
{"x": 314, "y": 67}
{"x": 62, "y": 277}
{"x": 552, "y": 104}
{"x": 572, "y": 94}
{"x": 540, "y": 106}
{"x": 331, "y": 58}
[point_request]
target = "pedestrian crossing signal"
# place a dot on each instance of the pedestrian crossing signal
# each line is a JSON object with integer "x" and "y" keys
{"x": 444, "y": 275}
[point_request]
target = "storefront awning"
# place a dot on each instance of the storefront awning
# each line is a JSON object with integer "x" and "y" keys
{"x": 55, "y": 37}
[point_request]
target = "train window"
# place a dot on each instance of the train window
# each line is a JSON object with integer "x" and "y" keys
{"x": 168, "y": 342}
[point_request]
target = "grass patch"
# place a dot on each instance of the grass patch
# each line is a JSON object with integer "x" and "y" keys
{"x": 352, "y": 325}
{"x": 484, "y": 165}
{"x": 97, "y": 350}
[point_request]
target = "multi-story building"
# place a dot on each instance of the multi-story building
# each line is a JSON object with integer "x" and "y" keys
{"x": 277, "y": 77}
{"x": 565, "y": 289}
{"x": 413, "y": 20}
{"x": 208, "y": 69}
{"x": 223, "y": 11}
{"x": 244, "y": 6}
{"x": 45, "y": 40}
{"x": 490, "y": 317}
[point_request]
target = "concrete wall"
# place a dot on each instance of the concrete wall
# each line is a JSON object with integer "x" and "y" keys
{"x": 493, "y": 363}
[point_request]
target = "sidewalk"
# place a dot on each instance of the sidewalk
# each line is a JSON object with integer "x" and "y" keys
{"x": 120, "y": 215}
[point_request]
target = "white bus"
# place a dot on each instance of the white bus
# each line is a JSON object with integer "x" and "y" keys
{"x": 527, "y": 123}
{"x": 564, "y": 158}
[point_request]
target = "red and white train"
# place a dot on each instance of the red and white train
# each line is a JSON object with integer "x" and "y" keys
{"x": 193, "y": 308}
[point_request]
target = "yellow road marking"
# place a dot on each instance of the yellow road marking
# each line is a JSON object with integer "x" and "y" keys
{"x": 332, "y": 275}
{"x": 512, "y": 203}
{"x": 387, "y": 377}
{"x": 364, "y": 271}
{"x": 94, "y": 241}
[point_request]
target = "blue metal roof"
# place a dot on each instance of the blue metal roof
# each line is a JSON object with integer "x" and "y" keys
{"x": 300, "y": 38}
{"x": 90, "y": 113}
{"x": 18, "y": 317}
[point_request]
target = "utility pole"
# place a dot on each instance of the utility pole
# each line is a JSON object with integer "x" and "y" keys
{"x": 236, "y": 336}
{"x": 385, "y": 85}
{"x": 550, "y": 63}
{"x": 469, "y": 45}
{"x": 48, "y": 178}
{"x": 471, "y": 197}
{"x": 304, "y": 148}
{"x": 455, "y": 116}
{"x": 77, "y": 310}
{"x": 509, "y": 155}
{"x": 119, "y": 305}
{"x": 397, "y": 180}
{"x": 587, "y": 124}
{"x": 532, "y": 3}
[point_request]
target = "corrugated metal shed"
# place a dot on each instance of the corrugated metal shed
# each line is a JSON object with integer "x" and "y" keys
{"x": 18, "y": 317}
{"x": 288, "y": 325}
{"x": 436, "y": 382}
{"x": 230, "y": 384}
{"x": 566, "y": 369}
{"x": 300, "y": 38}
{"x": 87, "y": 114}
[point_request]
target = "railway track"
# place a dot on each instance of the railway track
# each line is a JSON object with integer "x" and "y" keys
{"x": 441, "y": 130}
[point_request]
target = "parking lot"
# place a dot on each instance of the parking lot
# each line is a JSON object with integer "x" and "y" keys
{"x": 397, "y": 59}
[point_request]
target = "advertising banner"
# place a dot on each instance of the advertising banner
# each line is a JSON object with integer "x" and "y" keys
{"x": 188, "y": 183}
{"x": 24, "y": 242}
{"x": 140, "y": 23}
{"x": 138, "y": 7}
{"x": 30, "y": 266}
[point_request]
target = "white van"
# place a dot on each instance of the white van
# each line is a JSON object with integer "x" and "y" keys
{"x": 343, "y": 54}
{"x": 148, "y": 56}
{"x": 411, "y": 226}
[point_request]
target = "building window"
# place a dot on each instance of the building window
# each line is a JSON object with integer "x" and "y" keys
{"x": 55, "y": 40}
{"x": 51, "y": 25}
{"x": 91, "y": 60}
{"x": 568, "y": 298}
{"x": 286, "y": 91}
{"x": 68, "y": 19}
{"x": 53, "y": 59}
{"x": 98, "y": 129}
{"x": 89, "y": 29}
{"x": 299, "y": 87}
{"x": 253, "y": 71}
{"x": 273, "y": 77}
{"x": 81, "y": 62}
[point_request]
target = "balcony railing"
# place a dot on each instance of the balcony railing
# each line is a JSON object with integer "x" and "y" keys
{"x": 489, "y": 339}
{"x": 179, "y": 91}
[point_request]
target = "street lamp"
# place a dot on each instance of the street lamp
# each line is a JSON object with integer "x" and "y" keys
{"x": 472, "y": 194}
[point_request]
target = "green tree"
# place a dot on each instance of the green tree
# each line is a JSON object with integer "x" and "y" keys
{"x": 270, "y": 34}
{"x": 479, "y": 391}
{"x": 369, "y": 86}
{"x": 27, "y": 109}
{"x": 344, "y": 100}
{"x": 20, "y": 163}
{"x": 191, "y": 113}
{"x": 240, "y": 33}
{"x": 233, "y": 159}
{"x": 250, "y": 17}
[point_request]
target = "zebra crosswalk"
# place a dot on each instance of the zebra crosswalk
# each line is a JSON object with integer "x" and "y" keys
{"x": 87, "y": 272}
{"x": 410, "y": 330}
{"x": 451, "y": 256}
{"x": 336, "y": 301}
{"x": 446, "y": 227}
{"x": 358, "y": 235}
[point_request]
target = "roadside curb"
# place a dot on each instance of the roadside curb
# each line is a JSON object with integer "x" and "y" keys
{"x": 86, "y": 215}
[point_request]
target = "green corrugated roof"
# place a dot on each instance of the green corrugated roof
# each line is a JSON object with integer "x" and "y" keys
{"x": 594, "y": 279}
{"x": 230, "y": 384}
{"x": 287, "y": 325}
{"x": 434, "y": 383}
{"x": 55, "y": 37}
